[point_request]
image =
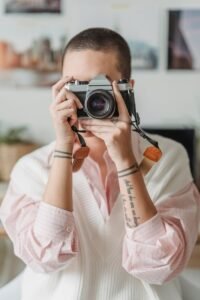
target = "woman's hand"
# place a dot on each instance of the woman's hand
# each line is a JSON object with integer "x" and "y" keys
{"x": 116, "y": 133}
{"x": 64, "y": 112}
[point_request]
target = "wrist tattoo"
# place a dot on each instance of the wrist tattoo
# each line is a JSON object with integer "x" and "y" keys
{"x": 129, "y": 204}
{"x": 131, "y": 170}
{"x": 62, "y": 154}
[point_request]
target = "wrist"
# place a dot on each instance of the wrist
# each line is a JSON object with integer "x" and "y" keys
{"x": 123, "y": 163}
{"x": 62, "y": 154}
{"x": 64, "y": 146}
{"x": 134, "y": 168}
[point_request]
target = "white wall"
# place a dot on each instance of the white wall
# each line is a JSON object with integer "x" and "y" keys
{"x": 163, "y": 97}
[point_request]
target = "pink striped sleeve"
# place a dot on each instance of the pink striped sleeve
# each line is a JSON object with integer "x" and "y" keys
{"x": 157, "y": 250}
{"x": 44, "y": 236}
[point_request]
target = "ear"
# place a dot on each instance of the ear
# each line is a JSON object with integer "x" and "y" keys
{"x": 132, "y": 82}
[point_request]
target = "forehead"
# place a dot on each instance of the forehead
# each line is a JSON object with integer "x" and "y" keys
{"x": 86, "y": 64}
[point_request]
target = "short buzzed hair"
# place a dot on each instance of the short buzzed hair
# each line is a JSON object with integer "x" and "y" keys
{"x": 103, "y": 39}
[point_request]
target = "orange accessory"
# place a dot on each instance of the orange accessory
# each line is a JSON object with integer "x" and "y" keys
{"x": 79, "y": 155}
{"x": 153, "y": 153}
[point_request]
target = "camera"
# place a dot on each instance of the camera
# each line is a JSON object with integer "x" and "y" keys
{"x": 98, "y": 99}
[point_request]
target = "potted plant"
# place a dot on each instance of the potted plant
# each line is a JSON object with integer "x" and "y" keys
{"x": 13, "y": 145}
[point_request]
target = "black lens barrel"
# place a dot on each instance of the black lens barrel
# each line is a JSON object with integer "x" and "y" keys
{"x": 100, "y": 104}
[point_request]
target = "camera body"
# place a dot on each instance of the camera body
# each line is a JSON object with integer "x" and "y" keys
{"x": 98, "y": 99}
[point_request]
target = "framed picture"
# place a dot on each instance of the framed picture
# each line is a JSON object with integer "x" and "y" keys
{"x": 142, "y": 37}
{"x": 31, "y": 57}
{"x": 129, "y": 20}
{"x": 32, "y": 6}
{"x": 183, "y": 39}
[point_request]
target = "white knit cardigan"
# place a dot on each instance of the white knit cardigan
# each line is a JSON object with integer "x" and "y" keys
{"x": 96, "y": 272}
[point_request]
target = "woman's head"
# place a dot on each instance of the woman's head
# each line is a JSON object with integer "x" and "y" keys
{"x": 107, "y": 45}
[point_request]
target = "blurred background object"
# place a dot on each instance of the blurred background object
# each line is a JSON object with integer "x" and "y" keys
{"x": 183, "y": 39}
{"x": 36, "y": 6}
{"x": 10, "y": 265}
{"x": 13, "y": 145}
{"x": 188, "y": 138}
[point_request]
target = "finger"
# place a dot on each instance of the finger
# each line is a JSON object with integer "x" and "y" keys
{"x": 98, "y": 129}
{"x": 67, "y": 115}
{"x": 73, "y": 122}
{"x": 65, "y": 95}
{"x": 60, "y": 97}
{"x": 122, "y": 109}
{"x": 70, "y": 95}
{"x": 59, "y": 85}
{"x": 66, "y": 104}
{"x": 96, "y": 122}
{"x": 105, "y": 122}
{"x": 101, "y": 135}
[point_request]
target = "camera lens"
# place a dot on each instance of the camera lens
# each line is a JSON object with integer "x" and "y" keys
{"x": 100, "y": 104}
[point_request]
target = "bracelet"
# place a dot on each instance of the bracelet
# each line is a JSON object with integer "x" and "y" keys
{"x": 62, "y": 154}
{"x": 131, "y": 170}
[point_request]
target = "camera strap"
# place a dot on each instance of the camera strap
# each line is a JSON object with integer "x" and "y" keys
{"x": 152, "y": 153}
{"x": 81, "y": 153}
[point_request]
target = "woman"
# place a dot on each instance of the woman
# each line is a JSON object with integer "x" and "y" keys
{"x": 118, "y": 228}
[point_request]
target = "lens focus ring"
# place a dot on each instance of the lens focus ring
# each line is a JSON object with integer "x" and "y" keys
{"x": 100, "y": 104}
